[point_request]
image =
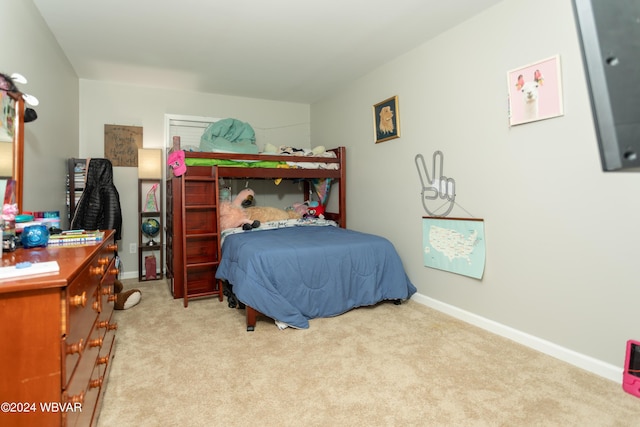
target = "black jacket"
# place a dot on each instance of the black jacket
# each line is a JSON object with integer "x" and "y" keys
{"x": 99, "y": 205}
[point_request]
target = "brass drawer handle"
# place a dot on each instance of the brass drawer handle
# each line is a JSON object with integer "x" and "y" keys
{"x": 96, "y": 271}
{"x": 104, "y": 261}
{"x": 108, "y": 326}
{"x": 95, "y": 383}
{"x": 113, "y": 247}
{"x": 95, "y": 343}
{"x": 75, "y": 347}
{"x": 102, "y": 360}
{"x": 78, "y": 398}
{"x": 78, "y": 300}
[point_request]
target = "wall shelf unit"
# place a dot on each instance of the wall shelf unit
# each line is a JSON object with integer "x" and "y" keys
{"x": 76, "y": 178}
{"x": 150, "y": 247}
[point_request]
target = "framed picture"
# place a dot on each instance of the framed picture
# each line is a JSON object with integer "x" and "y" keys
{"x": 535, "y": 92}
{"x": 121, "y": 144}
{"x": 456, "y": 245}
{"x": 386, "y": 120}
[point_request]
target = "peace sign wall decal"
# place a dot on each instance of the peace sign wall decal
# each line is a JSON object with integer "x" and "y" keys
{"x": 436, "y": 187}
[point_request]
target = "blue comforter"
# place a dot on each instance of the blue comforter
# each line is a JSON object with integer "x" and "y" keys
{"x": 300, "y": 273}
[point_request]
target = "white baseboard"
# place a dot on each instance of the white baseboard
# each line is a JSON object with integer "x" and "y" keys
{"x": 585, "y": 362}
{"x": 129, "y": 275}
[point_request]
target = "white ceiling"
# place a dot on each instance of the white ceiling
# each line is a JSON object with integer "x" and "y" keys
{"x": 285, "y": 50}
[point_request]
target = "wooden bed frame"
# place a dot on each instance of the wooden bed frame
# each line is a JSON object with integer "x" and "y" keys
{"x": 193, "y": 234}
{"x": 299, "y": 173}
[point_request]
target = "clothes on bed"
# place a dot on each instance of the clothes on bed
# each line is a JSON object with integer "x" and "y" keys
{"x": 262, "y": 164}
{"x": 271, "y": 225}
{"x": 295, "y": 274}
{"x": 196, "y": 161}
{"x": 229, "y": 136}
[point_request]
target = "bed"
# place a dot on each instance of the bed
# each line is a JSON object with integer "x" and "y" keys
{"x": 192, "y": 217}
{"x": 342, "y": 269}
{"x": 298, "y": 270}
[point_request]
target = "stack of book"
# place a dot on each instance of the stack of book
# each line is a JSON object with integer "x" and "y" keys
{"x": 76, "y": 237}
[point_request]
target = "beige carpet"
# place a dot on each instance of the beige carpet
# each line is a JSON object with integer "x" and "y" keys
{"x": 386, "y": 365}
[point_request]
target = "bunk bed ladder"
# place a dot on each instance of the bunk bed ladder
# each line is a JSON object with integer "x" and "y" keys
{"x": 200, "y": 234}
{"x": 185, "y": 275}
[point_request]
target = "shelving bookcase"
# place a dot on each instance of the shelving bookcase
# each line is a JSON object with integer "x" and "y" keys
{"x": 144, "y": 249}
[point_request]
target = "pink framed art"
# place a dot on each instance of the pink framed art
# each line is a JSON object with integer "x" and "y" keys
{"x": 535, "y": 91}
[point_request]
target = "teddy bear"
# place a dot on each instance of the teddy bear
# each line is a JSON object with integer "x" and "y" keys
{"x": 127, "y": 299}
{"x": 241, "y": 213}
{"x": 269, "y": 213}
{"x": 233, "y": 214}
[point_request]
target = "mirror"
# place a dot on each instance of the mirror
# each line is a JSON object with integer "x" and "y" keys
{"x": 6, "y": 159}
{"x": 12, "y": 141}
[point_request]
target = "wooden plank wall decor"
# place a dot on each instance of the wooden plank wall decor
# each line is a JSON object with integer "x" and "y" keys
{"x": 121, "y": 144}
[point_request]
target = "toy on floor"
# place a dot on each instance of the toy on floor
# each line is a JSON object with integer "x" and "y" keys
{"x": 233, "y": 214}
{"x": 127, "y": 299}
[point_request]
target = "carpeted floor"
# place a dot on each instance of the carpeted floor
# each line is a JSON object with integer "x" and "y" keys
{"x": 386, "y": 365}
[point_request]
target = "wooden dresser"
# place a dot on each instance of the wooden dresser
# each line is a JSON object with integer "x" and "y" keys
{"x": 57, "y": 336}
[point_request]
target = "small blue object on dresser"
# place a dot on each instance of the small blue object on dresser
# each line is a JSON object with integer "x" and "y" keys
{"x": 35, "y": 236}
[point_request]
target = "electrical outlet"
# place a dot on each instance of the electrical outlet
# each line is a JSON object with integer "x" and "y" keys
{"x": 132, "y": 248}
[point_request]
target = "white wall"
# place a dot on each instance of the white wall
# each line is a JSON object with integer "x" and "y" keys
{"x": 561, "y": 241}
{"x": 101, "y": 103}
{"x": 30, "y": 49}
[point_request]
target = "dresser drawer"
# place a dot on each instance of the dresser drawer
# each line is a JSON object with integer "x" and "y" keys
{"x": 86, "y": 378}
{"x": 107, "y": 330}
{"x": 106, "y": 354}
{"x": 107, "y": 261}
{"x": 82, "y": 305}
{"x": 107, "y": 296}
{"x": 89, "y": 399}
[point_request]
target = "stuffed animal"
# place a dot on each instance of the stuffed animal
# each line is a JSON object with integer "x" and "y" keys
{"x": 309, "y": 209}
{"x": 269, "y": 213}
{"x": 233, "y": 214}
{"x": 176, "y": 162}
{"x": 127, "y": 299}
{"x": 316, "y": 210}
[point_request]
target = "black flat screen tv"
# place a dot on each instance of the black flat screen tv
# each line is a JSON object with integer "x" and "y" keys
{"x": 609, "y": 33}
